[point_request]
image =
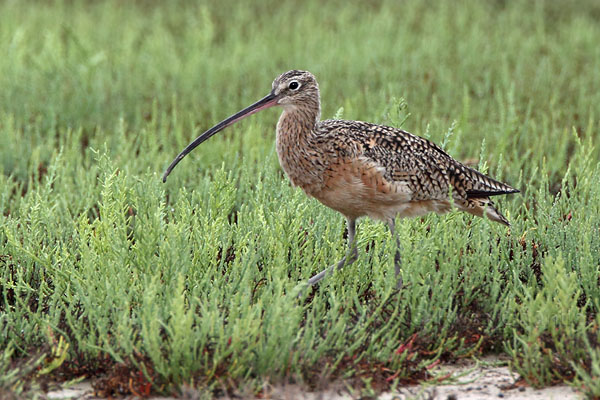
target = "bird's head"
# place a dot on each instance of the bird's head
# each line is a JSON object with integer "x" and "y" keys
{"x": 291, "y": 90}
{"x": 296, "y": 89}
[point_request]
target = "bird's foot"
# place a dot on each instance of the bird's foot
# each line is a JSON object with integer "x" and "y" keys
{"x": 399, "y": 283}
{"x": 300, "y": 289}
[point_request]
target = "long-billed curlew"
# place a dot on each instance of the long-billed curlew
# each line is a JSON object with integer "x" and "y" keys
{"x": 362, "y": 169}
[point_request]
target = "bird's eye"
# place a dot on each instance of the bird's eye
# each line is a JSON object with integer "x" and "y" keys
{"x": 294, "y": 85}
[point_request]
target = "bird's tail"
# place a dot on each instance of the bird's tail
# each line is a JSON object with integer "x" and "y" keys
{"x": 492, "y": 213}
{"x": 483, "y": 206}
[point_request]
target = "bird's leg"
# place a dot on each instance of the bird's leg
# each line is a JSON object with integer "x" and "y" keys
{"x": 397, "y": 258}
{"x": 349, "y": 258}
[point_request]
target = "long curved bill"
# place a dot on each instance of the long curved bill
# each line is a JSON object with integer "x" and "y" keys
{"x": 268, "y": 101}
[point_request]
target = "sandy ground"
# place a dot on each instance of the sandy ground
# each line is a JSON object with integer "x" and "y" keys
{"x": 469, "y": 381}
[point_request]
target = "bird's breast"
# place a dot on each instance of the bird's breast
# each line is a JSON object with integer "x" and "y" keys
{"x": 303, "y": 166}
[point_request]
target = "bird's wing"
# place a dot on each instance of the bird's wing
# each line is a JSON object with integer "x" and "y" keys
{"x": 412, "y": 161}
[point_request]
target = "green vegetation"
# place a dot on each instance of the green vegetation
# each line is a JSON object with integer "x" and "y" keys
{"x": 107, "y": 272}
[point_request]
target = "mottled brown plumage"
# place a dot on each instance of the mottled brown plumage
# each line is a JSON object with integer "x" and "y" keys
{"x": 362, "y": 169}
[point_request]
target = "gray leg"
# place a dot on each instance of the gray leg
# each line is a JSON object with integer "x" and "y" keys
{"x": 397, "y": 258}
{"x": 349, "y": 258}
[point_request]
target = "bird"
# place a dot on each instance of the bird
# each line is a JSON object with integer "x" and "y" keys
{"x": 362, "y": 169}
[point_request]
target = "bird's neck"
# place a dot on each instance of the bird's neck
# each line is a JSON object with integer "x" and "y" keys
{"x": 296, "y": 146}
{"x": 299, "y": 120}
{"x": 297, "y": 124}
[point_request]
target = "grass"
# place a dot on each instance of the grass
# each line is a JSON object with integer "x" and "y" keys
{"x": 145, "y": 287}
